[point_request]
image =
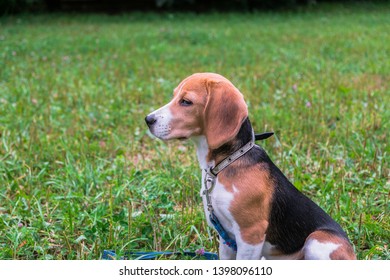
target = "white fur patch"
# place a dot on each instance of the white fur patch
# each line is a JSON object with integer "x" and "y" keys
{"x": 315, "y": 250}
{"x": 162, "y": 127}
{"x": 221, "y": 200}
{"x": 249, "y": 252}
{"x": 202, "y": 150}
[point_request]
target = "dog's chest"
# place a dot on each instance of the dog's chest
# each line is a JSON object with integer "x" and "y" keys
{"x": 220, "y": 200}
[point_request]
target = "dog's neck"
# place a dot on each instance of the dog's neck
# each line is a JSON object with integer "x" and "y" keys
{"x": 210, "y": 157}
{"x": 202, "y": 151}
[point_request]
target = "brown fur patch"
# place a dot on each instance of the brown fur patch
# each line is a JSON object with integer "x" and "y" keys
{"x": 224, "y": 114}
{"x": 252, "y": 189}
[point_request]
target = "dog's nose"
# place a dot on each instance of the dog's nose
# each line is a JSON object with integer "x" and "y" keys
{"x": 150, "y": 119}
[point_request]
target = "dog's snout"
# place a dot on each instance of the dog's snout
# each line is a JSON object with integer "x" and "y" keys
{"x": 150, "y": 119}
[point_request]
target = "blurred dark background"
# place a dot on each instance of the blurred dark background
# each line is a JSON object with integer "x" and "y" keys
{"x": 120, "y": 6}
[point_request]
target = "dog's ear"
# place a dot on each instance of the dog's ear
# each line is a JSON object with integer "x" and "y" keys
{"x": 224, "y": 113}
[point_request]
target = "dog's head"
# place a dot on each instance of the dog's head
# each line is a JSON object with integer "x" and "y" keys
{"x": 203, "y": 104}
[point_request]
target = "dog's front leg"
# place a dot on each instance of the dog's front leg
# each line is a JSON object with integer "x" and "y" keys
{"x": 225, "y": 252}
{"x": 247, "y": 251}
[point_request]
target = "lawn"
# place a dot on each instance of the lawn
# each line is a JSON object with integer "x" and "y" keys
{"x": 79, "y": 172}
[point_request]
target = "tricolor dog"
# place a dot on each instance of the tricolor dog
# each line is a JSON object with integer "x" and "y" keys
{"x": 257, "y": 212}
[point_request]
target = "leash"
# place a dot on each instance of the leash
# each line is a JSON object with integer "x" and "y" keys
{"x": 111, "y": 255}
{"x": 209, "y": 183}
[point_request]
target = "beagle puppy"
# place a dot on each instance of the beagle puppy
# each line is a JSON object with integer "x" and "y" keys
{"x": 256, "y": 206}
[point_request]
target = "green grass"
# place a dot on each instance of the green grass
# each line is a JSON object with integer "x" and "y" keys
{"x": 79, "y": 173}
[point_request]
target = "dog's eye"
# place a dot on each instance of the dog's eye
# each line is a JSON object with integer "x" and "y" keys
{"x": 185, "y": 102}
